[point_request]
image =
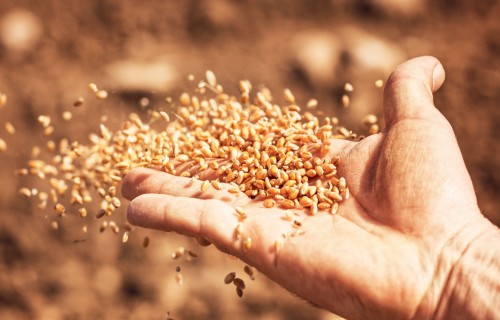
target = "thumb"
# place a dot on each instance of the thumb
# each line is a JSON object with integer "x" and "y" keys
{"x": 409, "y": 89}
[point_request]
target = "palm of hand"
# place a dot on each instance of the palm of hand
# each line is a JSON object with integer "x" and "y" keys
{"x": 373, "y": 258}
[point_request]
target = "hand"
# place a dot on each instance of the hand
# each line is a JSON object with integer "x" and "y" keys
{"x": 390, "y": 249}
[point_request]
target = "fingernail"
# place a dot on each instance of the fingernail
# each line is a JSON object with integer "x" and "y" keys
{"x": 437, "y": 76}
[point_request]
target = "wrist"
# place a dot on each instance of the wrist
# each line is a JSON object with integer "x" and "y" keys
{"x": 471, "y": 289}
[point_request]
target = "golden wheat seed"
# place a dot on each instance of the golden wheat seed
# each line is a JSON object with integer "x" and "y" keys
{"x": 116, "y": 202}
{"x": 269, "y": 203}
{"x": 335, "y": 208}
{"x": 374, "y": 129}
{"x": 369, "y": 119}
{"x": 44, "y": 120}
{"x": 10, "y": 127}
{"x": 176, "y": 255}
{"x": 93, "y": 87}
{"x": 348, "y": 87}
{"x": 229, "y": 277}
{"x": 239, "y": 230}
{"x": 216, "y": 185}
{"x": 241, "y": 212}
{"x": 277, "y": 245}
{"x": 287, "y": 204}
{"x": 125, "y": 237}
{"x": 21, "y": 171}
{"x": 164, "y": 116}
{"x": 48, "y": 131}
{"x": 345, "y": 100}
{"x": 60, "y": 209}
{"x": 305, "y": 201}
{"x": 342, "y": 183}
{"x": 82, "y": 212}
{"x": 314, "y": 209}
{"x": 247, "y": 243}
{"x": 211, "y": 79}
{"x": 323, "y": 205}
{"x": 114, "y": 227}
{"x": 124, "y": 165}
{"x": 103, "y": 227}
{"x": 25, "y": 192}
{"x": 204, "y": 186}
{"x": 346, "y": 193}
{"x": 179, "y": 278}
{"x": 312, "y": 104}
{"x": 67, "y": 115}
{"x": 55, "y": 225}
{"x": 101, "y": 94}
{"x": 3, "y": 145}
{"x": 289, "y": 98}
{"x": 3, "y": 99}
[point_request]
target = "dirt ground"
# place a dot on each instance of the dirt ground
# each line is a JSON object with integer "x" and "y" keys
{"x": 51, "y": 50}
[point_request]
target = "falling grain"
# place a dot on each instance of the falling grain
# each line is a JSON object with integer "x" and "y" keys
{"x": 345, "y": 100}
{"x": 9, "y": 127}
{"x": 78, "y": 102}
{"x": 3, "y": 99}
{"x": 3, "y": 145}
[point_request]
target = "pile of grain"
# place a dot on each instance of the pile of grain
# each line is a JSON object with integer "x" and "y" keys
{"x": 269, "y": 152}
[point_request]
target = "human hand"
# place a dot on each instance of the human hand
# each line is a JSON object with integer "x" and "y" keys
{"x": 392, "y": 246}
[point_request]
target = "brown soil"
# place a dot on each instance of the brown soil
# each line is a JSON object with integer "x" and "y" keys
{"x": 50, "y": 50}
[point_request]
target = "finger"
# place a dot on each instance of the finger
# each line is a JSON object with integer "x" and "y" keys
{"x": 143, "y": 180}
{"x": 409, "y": 89}
{"x": 210, "y": 219}
{"x": 339, "y": 148}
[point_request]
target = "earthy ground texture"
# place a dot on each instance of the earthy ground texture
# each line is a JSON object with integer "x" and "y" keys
{"x": 51, "y": 50}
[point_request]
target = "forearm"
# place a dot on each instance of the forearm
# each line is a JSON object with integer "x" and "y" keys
{"x": 473, "y": 287}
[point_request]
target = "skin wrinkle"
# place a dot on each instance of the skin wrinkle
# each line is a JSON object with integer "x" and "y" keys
{"x": 441, "y": 303}
{"x": 359, "y": 266}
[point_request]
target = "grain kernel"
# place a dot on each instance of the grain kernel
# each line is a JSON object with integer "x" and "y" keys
{"x": 269, "y": 203}
{"x": 125, "y": 237}
{"x": 238, "y": 282}
{"x": 247, "y": 244}
{"x": 82, "y": 212}
{"x": 9, "y": 127}
{"x": 348, "y": 87}
{"x": 25, "y": 192}
{"x": 248, "y": 270}
{"x": 216, "y": 185}
{"x": 345, "y": 100}
{"x": 3, "y": 145}
{"x": 204, "y": 186}
{"x": 239, "y": 292}
{"x": 229, "y": 277}
{"x": 3, "y": 99}
{"x": 101, "y": 94}
{"x": 305, "y": 201}
{"x": 78, "y": 102}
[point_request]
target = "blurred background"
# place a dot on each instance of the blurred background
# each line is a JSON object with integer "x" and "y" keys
{"x": 51, "y": 50}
